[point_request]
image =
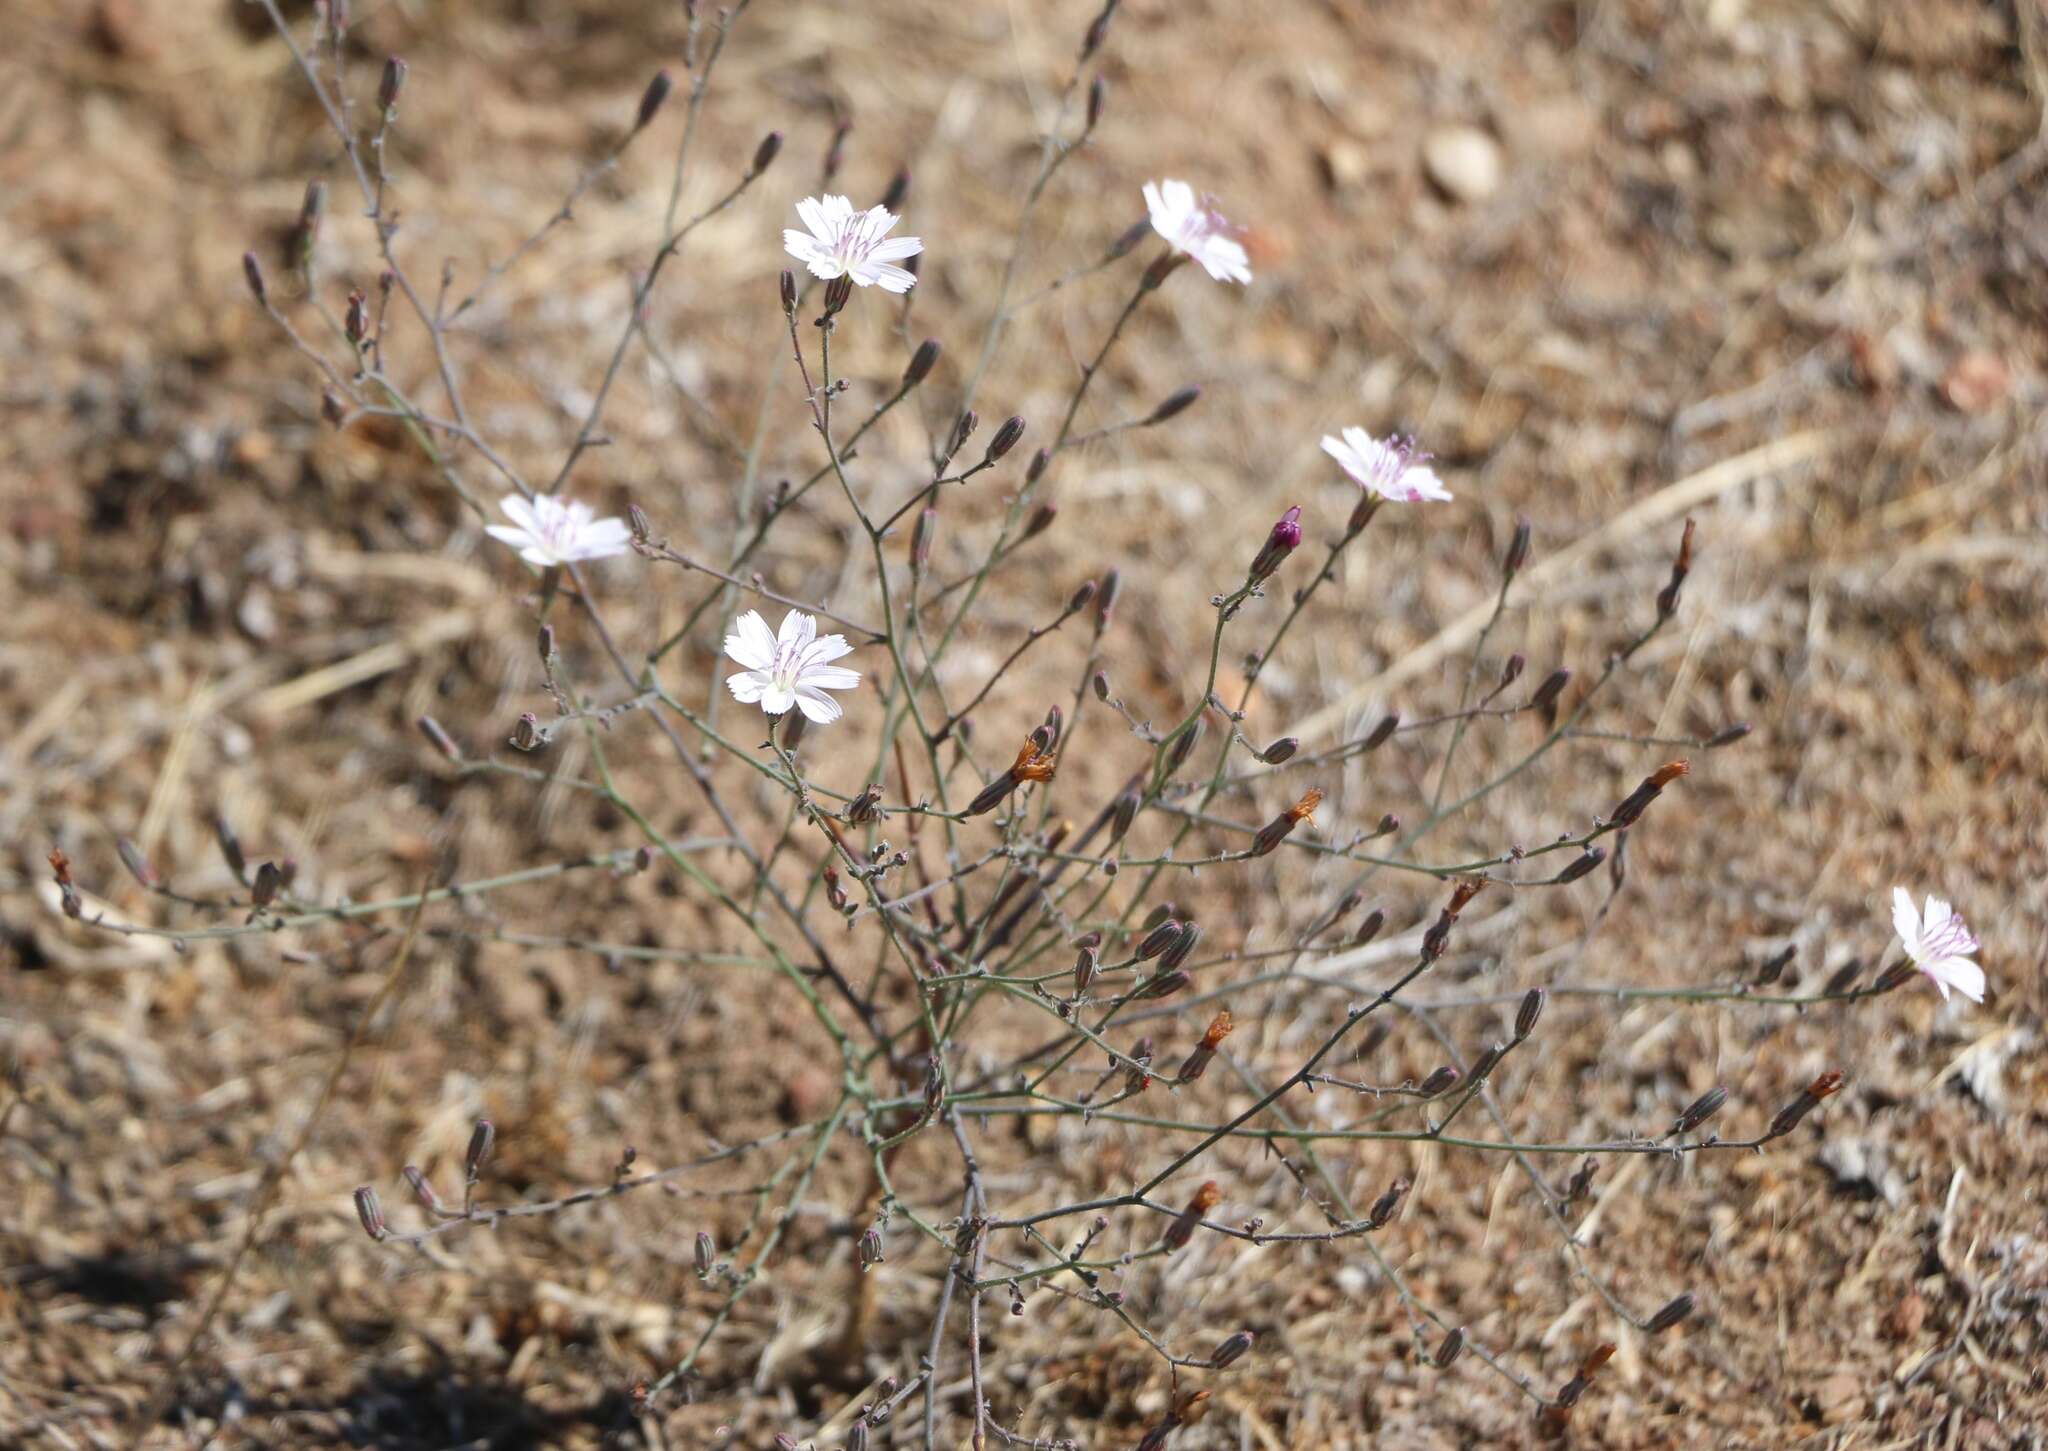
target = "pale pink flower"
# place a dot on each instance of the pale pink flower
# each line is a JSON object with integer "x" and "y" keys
{"x": 1194, "y": 226}
{"x": 551, "y": 531}
{"x": 789, "y": 668}
{"x": 1940, "y": 944}
{"x": 856, "y": 244}
{"x": 1393, "y": 469}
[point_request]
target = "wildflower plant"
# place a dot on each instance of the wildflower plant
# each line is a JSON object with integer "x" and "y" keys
{"x": 948, "y": 840}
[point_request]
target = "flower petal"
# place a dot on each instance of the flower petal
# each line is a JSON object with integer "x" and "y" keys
{"x": 817, "y": 706}
{"x": 827, "y": 677}
{"x": 798, "y": 630}
{"x": 813, "y": 214}
{"x": 891, "y": 278}
{"x": 747, "y": 686}
{"x": 1960, "y": 973}
{"x": 895, "y": 247}
{"x": 1906, "y": 921}
{"x": 824, "y": 648}
{"x": 752, "y": 645}
{"x": 777, "y": 698}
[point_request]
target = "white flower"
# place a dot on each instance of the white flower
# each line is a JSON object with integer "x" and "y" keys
{"x": 1940, "y": 945}
{"x": 1393, "y": 470}
{"x": 842, "y": 240}
{"x": 1195, "y": 227}
{"x": 789, "y": 668}
{"x": 550, "y": 531}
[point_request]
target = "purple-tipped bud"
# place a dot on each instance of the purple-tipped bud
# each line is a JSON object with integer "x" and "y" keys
{"x": 1183, "y": 946}
{"x": 897, "y": 190}
{"x": 1282, "y": 541}
{"x": 1439, "y": 1083}
{"x": 1528, "y": 1014}
{"x": 371, "y": 1213}
{"x": 1161, "y": 985}
{"x": 481, "y": 1138}
{"x": 263, "y": 891}
{"x": 137, "y": 864}
{"x": 1078, "y": 600}
{"x": 1380, "y": 734}
{"x": 1675, "y": 1312}
{"x": 393, "y": 82}
{"x": 526, "y": 733}
{"x": 1449, "y": 1349}
{"x": 1518, "y": 550}
{"x": 1483, "y": 1066}
{"x": 1231, "y": 1349}
{"x": 1511, "y": 670}
{"x": 1728, "y": 735}
{"x": 1389, "y": 824}
{"x": 1040, "y": 521}
{"x": 1122, "y": 813}
{"x": 1105, "y": 599}
{"x": 870, "y": 1248}
{"x": 355, "y": 318}
{"x": 544, "y": 644}
{"x": 442, "y": 741}
{"x": 652, "y": 98}
{"x": 1005, "y": 439}
{"x": 1084, "y": 970}
{"x": 963, "y": 429}
{"x": 1041, "y": 460}
{"x": 1176, "y": 402}
{"x": 1183, "y": 746}
{"x": 1370, "y": 927}
{"x": 785, "y": 287}
{"x": 1281, "y": 750}
{"x": 706, "y": 1253}
{"x": 1700, "y": 1110}
{"x": 921, "y": 362}
{"x": 252, "y": 272}
{"x": 765, "y": 153}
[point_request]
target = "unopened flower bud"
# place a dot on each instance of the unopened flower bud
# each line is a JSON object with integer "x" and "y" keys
{"x": 651, "y": 99}
{"x": 1449, "y": 1349}
{"x": 1160, "y": 268}
{"x": 922, "y": 362}
{"x": 1380, "y": 734}
{"x": 1700, "y": 1110}
{"x": 1005, "y": 439}
{"x": 443, "y": 742}
{"x": 1775, "y": 966}
{"x": 1897, "y": 975}
{"x": 1098, "y": 92}
{"x": 1078, "y": 600}
{"x": 1158, "y": 940}
{"x": 1176, "y": 402}
{"x": 252, "y": 272}
{"x": 1084, "y": 970}
{"x": 1809, "y": 1099}
{"x": 230, "y": 847}
{"x": 1370, "y": 927}
{"x": 544, "y": 644}
{"x": 1281, "y": 750}
{"x": 1283, "y": 540}
{"x": 765, "y": 153}
{"x": 963, "y": 429}
{"x": 921, "y": 536}
{"x": 1511, "y": 670}
{"x": 1637, "y": 801}
{"x": 1040, "y": 521}
{"x": 1483, "y": 1066}
{"x": 268, "y": 879}
{"x": 1545, "y": 698}
{"x": 1676, "y": 1311}
{"x": 355, "y": 318}
{"x": 1128, "y": 240}
{"x": 1383, "y": 1208}
{"x": 1667, "y": 598}
{"x": 137, "y": 864}
{"x": 897, "y": 190}
{"x": 1183, "y": 746}
{"x": 422, "y": 1190}
{"x": 1528, "y": 1014}
{"x": 857, "y": 1433}
{"x": 706, "y": 1253}
{"x": 1181, "y": 948}
{"x": 1231, "y": 1349}
{"x": 1518, "y": 550}
{"x": 870, "y": 1248}
{"x": 1105, "y": 599}
{"x": 837, "y": 293}
{"x": 1584, "y": 864}
{"x": 785, "y": 287}
{"x": 481, "y": 1139}
{"x": 371, "y": 1213}
{"x": 1728, "y": 735}
{"x": 393, "y": 82}
{"x": 526, "y": 733}
{"x": 1162, "y": 984}
{"x": 1439, "y": 1083}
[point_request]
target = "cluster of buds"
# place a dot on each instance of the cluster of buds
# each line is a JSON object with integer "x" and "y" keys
{"x": 1283, "y": 541}
{"x": 1439, "y": 935}
{"x": 1033, "y": 763}
{"x": 1667, "y": 598}
{"x": 1809, "y": 1099}
{"x": 1638, "y": 801}
{"x": 1277, "y": 830}
{"x": 1183, "y": 1227}
{"x": 1220, "y": 1027}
